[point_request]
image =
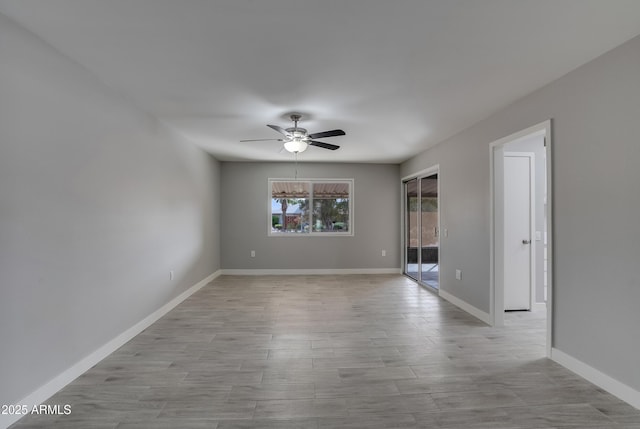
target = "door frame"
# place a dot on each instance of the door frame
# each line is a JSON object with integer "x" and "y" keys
{"x": 430, "y": 171}
{"x": 497, "y": 150}
{"x": 532, "y": 221}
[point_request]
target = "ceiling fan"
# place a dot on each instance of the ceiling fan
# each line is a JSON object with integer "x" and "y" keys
{"x": 297, "y": 139}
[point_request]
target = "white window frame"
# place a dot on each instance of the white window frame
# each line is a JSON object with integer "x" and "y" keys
{"x": 311, "y": 233}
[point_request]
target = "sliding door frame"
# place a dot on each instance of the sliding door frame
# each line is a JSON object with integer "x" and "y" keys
{"x": 435, "y": 169}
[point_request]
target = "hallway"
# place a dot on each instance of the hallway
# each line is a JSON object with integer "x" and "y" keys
{"x": 358, "y": 351}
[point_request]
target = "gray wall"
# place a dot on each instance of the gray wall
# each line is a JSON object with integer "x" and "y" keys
{"x": 596, "y": 151}
{"x": 464, "y": 213}
{"x": 98, "y": 202}
{"x": 245, "y": 203}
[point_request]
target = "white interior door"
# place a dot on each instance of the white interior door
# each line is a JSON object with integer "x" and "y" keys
{"x": 517, "y": 233}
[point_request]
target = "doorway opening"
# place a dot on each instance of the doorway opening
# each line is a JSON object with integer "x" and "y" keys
{"x": 421, "y": 235}
{"x": 521, "y": 246}
{"x": 520, "y": 225}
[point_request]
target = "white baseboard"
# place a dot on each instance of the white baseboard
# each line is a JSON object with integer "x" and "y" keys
{"x": 611, "y": 385}
{"x": 47, "y": 390}
{"x": 294, "y": 272}
{"x": 485, "y": 317}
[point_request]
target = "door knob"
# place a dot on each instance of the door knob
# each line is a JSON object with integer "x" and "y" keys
{"x": 526, "y": 241}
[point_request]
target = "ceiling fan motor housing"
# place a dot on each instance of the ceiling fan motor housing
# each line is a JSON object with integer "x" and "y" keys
{"x": 297, "y": 132}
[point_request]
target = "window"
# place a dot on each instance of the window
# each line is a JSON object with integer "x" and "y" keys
{"x": 310, "y": 207}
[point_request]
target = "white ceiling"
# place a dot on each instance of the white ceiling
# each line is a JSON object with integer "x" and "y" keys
{"x": 397, "y": 76}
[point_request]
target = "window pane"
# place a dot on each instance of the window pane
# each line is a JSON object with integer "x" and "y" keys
{"x": 310, "y": 207}
{"x": 290, "y": 207}
{"x": 330, "y": 207}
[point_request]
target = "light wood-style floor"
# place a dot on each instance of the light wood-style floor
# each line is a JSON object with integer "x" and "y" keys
{"x": 360, "y": 351}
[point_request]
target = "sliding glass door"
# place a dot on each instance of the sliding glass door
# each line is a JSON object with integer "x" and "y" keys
{"x": 422, "y": 235}
{"x": 430, "y": 234}
{"x": 412, "y": 237}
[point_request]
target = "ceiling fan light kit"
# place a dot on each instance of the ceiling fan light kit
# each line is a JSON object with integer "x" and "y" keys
{"x": 296, "y": 146}
{"x": 297, "y": 139}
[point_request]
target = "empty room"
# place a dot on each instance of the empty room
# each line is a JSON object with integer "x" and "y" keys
{"x": 319, "y": 214}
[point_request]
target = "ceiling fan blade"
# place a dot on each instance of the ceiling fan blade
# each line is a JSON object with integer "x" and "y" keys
{"x": 262, "y": 140}
{"x": 323, "y": 145}
{"x": 331, "y": 133}
{"x": 280, "y": 130}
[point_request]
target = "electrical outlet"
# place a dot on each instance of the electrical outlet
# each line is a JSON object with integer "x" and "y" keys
{"x": 384, "y": 253}
{"x": 458, "y": 274}
{"x": 171, "y": 275}
{"x": 253, "y": 253}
